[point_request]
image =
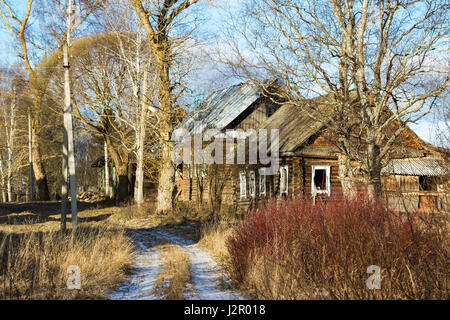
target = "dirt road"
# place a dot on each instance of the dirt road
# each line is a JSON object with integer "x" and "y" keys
{"x": 207, "y": 282}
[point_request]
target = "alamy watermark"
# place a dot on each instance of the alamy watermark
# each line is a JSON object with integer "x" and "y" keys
{"x": 211, "y": 146}
{"x": 374, "y": 281}
{"x": 74, "y": 281}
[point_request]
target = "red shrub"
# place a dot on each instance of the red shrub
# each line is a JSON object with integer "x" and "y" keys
{"x": 328, "y": 247}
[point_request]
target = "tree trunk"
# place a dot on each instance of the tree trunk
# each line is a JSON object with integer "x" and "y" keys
{"x": 2, "y": 181}
{"x": 122, "y": 172}
{"x": 40, "y": 175}
{"x": 30, "y": 162}
{"x": 120, "y": 157}
{"x": 346, "y": 176}
{"x": 9, "y": 174}
{"x": 374, "y": 169}
{"x": 64, "y": 184}
{"x": 10, "y": 143}
{"x": 166, "y": 183}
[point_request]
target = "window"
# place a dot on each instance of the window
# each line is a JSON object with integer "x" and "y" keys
{"x": 252, "y": 184}
{"x": 270, "y": 109}
{"x": 262, "y": 184}
{"x": 320, "y": 180}
{"x": 243, "y": 184}
{"x": 284, "y": 183}
{"x": 427, "y": 183}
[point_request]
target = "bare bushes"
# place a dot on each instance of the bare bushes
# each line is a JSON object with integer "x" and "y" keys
{"x": 303, "y": 251}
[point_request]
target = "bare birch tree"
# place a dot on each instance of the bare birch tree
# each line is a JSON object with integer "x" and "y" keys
{"x": 19, "y": 27}
{"x": 123, "y": 23}
{"x": 9, "y": 116}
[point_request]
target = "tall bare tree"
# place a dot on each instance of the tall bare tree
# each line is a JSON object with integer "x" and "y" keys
{"x": 372, "y": 60}
{"x": 123, "y": 23}
{"x": 104, "y": 103}
{"x": 19, "y": 28}
{"x": 395, "y": 66}
{"x": 159, "y": 19}
{"x": 9, "y": 103}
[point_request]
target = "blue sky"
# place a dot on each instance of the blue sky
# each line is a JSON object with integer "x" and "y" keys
{"x": 213, "y": 24}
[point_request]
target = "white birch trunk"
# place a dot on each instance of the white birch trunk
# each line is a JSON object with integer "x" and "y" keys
{"x": 10, "y": 143}
{"x": 2, "y": 181}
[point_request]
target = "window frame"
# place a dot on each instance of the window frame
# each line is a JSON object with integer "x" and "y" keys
{"x": 262, "y": 185}
{"x": 286, "y": 169}
{"x": 242, "y": 185}
{"x": 251, "y": 175}
{"x": 327, "y": 190}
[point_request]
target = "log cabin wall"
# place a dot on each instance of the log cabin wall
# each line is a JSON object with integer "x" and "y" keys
{"x": 195, "y": 187}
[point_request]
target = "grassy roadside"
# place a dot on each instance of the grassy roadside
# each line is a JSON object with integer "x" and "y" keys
{"x": 35, "y": 264}
{"x": 213, "y": 239}
{"x": 35, "y": 256}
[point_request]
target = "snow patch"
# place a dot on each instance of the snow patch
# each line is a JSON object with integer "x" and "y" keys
{"x": 143, "y": 279}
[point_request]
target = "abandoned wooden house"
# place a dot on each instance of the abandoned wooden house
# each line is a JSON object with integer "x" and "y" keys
{"x": 416, "y": 176}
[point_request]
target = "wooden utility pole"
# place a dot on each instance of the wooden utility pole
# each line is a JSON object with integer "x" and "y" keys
{"x": 30, "y": 158}
{"x": 142, "y": 107}
{"x": 68, "y": 148}
{"x": 108, "y": 193}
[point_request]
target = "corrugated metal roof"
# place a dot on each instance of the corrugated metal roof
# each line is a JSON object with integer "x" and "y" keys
{"x": 417, "y": 167}
{"x": 222, "y": 107}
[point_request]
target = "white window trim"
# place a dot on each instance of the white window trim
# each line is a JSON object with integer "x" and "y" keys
{"x": 243, "y": 184}
{"x": 250, "y": 174}
{"x": 262, "y": 184}
{"x": 287, "y": 179}
{"x": 314, "y": 191}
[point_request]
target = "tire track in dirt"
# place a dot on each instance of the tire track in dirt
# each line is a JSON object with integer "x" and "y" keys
{"x": 205, "y": 272}
{"x": 207, "y": 281}
{"x": 142, "y": 283}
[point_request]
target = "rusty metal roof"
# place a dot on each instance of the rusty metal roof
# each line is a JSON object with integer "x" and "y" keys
{"x": 222, "y": 107}
{"x": 417, "y": 167}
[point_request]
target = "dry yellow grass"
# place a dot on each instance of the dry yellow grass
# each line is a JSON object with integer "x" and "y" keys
{"x": 213, "y": 238}
{"x": 176, "y": 274}
{"x": 35, "y": 257}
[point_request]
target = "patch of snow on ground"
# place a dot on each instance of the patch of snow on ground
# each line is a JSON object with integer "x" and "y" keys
{"x": 206, "y": 275}
{"x": 143, "y": 279}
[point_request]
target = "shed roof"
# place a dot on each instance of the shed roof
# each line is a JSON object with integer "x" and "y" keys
{"x": 417, "y": 167}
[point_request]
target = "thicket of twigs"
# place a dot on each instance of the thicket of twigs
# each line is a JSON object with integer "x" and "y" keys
{"x": 303, "y": 251}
